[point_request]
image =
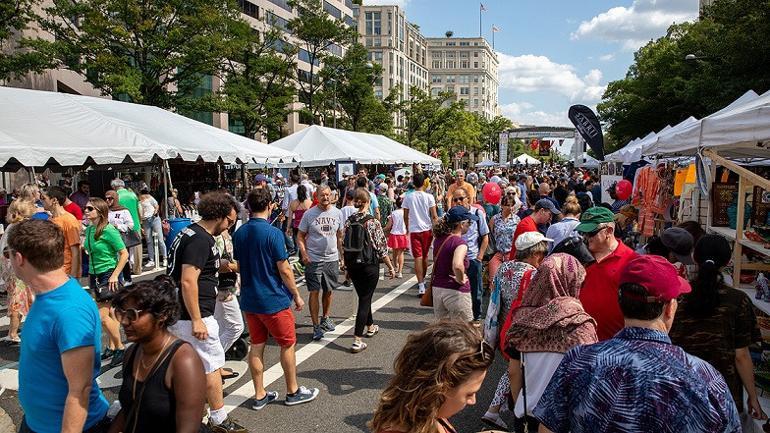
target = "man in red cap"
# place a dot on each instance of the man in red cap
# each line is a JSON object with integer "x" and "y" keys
{"x": 638, "y": 381}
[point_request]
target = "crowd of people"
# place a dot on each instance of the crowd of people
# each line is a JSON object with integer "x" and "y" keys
{"x": 598, "y": 334}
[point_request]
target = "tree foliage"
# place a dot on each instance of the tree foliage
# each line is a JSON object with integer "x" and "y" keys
{"x": 15, "y": 59}
{"x": 490, "y": 131}
{"x": 662, "y": 88}
{"x": 318, "y": 33}
{"x": 152, "y": 51}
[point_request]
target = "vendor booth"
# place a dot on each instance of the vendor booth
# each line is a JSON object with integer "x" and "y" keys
{"x": 525, "y": 159}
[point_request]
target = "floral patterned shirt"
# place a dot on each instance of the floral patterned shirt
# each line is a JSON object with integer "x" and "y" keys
{"x": 502, "y": 232}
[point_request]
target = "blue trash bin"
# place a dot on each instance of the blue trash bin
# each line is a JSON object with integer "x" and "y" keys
{"x": 176, "y": 224}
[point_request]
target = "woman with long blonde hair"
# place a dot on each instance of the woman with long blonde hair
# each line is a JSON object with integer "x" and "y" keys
{"x": 107, "y": 255}
{"x": 20, "y": 296}
{"x": 30, "y": 192}
{"x": 438, "y": 373}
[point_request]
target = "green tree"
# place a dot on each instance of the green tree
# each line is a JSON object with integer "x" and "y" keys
{"x": 351, "y": 80}
{"x": 152, "y": 51}
{"x": 15, "y": 59}
{"x": 491, "y": 129}
{"x": 425, "y": 116}
{"x": 258, "y": 84}
{"x": 318, "y": 36}
{"x": 662, "y": 88}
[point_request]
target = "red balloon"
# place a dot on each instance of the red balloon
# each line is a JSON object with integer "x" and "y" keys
{"x": 492, "y": 193}
{"x": 623, "y": 189}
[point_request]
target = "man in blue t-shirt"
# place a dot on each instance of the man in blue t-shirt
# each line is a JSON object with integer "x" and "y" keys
{"x": 60, "y": 350}
{"x": 268, "y": 291}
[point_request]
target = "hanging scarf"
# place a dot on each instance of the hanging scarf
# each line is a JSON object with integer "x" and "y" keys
{"x": 551, "y": 318}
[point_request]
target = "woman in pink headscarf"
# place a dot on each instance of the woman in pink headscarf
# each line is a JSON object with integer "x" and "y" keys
{"x": 550, "y": 321}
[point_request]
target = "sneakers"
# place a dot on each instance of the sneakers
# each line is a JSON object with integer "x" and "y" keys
{"x": 372, "y": 331}
{"x": 107, "y": 354}
{"x": 346, "y": 283}
{"x": 420, "y": 290}
{"x": 318, "y": 332}
{"x": 327, "y": 324}
{"x": 117, "y": 357}
{"x": 495, "y": 421}
{"x": 264, "y": 401}
{"x": 149, "y": 264}
{"x": 303, "y": 395}
{"x": 357, "y": 346}
{"x": 399, "y": 275}
{"x": 228, "y": 426}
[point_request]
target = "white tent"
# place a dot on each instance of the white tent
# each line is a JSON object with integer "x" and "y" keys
{"x": 38, "y": 127}
{"x": 687, "y": 139}
{"x": 486, "y": 163}
{"x": 586, "y": 161}
{"x": 742, "y": 131}
{"x": 320, "y": 146}
{"x": 653, "y": 146}
{"x": 525, "y": 159}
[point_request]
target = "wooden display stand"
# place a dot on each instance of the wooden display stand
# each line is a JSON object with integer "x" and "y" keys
{"x": 747, "y": 180}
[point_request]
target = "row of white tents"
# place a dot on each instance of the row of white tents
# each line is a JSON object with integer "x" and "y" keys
{"x": 739, "y": 130}
{"x": 38, "y": 128}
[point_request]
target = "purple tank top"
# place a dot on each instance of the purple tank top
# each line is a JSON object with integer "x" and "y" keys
{"x": 298, "y": 213}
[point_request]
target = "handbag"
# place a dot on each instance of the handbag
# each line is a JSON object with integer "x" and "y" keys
{"x": 131, "y": 238}
{"x": 427, "y": 298}
{"x": 492, "y": 322}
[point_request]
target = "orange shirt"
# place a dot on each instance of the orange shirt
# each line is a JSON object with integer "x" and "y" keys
{"x": 599, "y": 293}
{"x": 469, "y": 190}
{"x": 70, "y": 226}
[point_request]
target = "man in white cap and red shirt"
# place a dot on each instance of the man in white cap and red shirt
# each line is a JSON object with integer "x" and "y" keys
{"x": 638, "y": 381}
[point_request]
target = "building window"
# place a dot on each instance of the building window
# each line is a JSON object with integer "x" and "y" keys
{"x": 373, "y": 23}
{"x": 303, "y": 76}
{"x": 437, "y": 64}
{"x": 465, "y": 90}
{"x": 475, "y": 91}
{"x": 203, "y": 88}
{"x": 304, "y": 55}
{"x": 450, "y": 79}
{"x": 332, "y": 10}
{"x": 464, "y": 64}
{"x": 283, "y": 4}
{"x": 434, "y": 91}
{"x": 236, "y": 126}
{"x": 350, "y": 21}
{"x": 375, "y": 56}
{"x": 464, "y": 44}
{"x": 475, "y": 54}
{"x": 276, "y": 21}
{"x": 378, "y": 94}
{"x": 450, "y": 44}
{"x": 349, "y": 4}
{"x": 249, "y": 8}
{"x": 475, "y": 102}
{"x": 436, "y": 79}
{"x": 476, "y": 65}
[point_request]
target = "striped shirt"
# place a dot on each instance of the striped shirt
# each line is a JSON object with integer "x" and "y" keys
{"x": 636, "y": 382}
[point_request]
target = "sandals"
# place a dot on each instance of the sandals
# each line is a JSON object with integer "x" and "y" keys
{"x": 372, "y": 331}
{"x": 358, "y": 346}
{"x": 230, "y": 374}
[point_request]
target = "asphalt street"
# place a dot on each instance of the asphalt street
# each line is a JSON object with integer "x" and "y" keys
{"x": 350, "y": 384}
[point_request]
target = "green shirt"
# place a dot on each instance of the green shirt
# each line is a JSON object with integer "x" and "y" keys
{"x": 103, "y": 253}
{"x": 130, "y": 201}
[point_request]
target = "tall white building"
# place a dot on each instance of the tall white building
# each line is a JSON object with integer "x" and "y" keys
{"x": 467, "y": 67}
{"x": 397, "y": 45}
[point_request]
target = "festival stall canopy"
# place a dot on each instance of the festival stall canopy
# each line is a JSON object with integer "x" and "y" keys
{"x": 725, "y": 127}
{"x": 486, "y": 163}
{"x": 320, "y": 146}
{"x": 652, "y": 146}
{"x": 39, "y": 127}
{"x": 525, "y": 159}
{"x": 587, "y": 161}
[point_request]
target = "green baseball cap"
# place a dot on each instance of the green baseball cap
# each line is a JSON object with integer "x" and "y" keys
{"x": 591, "y": 218}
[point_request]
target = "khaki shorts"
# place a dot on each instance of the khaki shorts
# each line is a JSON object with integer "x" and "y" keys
{"x": 452, "y": 305}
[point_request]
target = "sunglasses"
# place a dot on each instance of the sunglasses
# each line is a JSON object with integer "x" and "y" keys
{"x": 131, "y": 314}
{"x": 109, "y": 199}
{"x": 456, "y": 199}
{"x": 589, "y": 235}
{"x": 230, "y": 222}
{"x": 89, "y": 208}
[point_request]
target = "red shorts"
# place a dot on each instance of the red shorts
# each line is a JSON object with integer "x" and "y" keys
{"x": 280, "y": 325}
{"x": 421, "y": 243}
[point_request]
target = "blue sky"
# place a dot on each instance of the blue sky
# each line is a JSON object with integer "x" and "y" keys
{"x": 553, "y": 53}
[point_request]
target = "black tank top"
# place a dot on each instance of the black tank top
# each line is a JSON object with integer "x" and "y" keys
{"x": 157, "y": 410}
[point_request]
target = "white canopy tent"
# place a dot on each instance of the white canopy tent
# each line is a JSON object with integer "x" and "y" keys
{"x": 39, "y": 127}
{"x": 525, "y": 159}
{"x": 486, "y": 163}
{"x": 652, "y": 146}
{"x": 723, "y": 132}
{"x": 320, "y": 146}
{"x": 587, "y": 161}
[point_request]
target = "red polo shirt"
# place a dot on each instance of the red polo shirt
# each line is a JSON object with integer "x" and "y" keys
{"x": 599, "y": 294}
{"x": 525, "y": 225}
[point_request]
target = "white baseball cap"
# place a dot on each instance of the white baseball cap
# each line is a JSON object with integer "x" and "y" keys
{"x": 530, "y": 239}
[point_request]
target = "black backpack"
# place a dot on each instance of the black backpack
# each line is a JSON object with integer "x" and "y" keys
{"x": 357, "y": 245}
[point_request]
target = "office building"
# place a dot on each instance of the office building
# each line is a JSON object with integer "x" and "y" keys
{"x": 467, "y": 67}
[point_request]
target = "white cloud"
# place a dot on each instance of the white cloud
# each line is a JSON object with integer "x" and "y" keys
{"x": 531, "y": 73}
{"x": 607, "y": 57}
{"x": 634, "y": 26}
{"x": 523, "y": 113}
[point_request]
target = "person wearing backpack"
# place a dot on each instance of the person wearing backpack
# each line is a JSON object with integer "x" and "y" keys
{"x": 364, "y": 246}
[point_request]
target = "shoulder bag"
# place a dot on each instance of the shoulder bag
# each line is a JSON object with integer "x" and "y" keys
{"x": 427, "y": 298}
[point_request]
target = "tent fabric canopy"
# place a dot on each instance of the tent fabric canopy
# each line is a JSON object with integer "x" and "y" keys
{"x": 486, "y": 163}
{"x": 525, "y": 159}
{"x": 39, "y": 126}
{"x": 586, "y": 160}
{"x": 321, "y": 146}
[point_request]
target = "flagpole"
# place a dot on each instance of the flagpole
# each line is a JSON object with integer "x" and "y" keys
{"x": 481, "y": 9}
{"x": 493, "y": 37}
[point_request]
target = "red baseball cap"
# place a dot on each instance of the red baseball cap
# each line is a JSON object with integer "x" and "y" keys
{"x": 657, "y": 276}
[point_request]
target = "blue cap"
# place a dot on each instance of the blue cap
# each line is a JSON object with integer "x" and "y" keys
{"x": 459, "y": 213}
{"x": 260, "y": 178}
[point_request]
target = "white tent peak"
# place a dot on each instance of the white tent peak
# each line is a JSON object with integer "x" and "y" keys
{"x": 525, "y": 159}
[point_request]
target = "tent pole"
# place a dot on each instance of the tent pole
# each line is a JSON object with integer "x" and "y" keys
{"x": 165, "y": 186}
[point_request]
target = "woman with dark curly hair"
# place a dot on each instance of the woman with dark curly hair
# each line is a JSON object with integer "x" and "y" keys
{"x": 438, "y": 372}
{"x": 164, "y": 387}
